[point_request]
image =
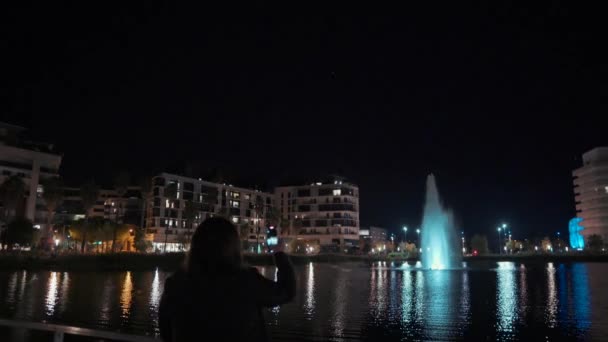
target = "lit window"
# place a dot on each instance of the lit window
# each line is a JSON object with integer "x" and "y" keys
{"x": 178, "y": 195}
{"x": 235, "y": 219}
{"x": 234, "y": 194}
{"x": 40, "y": 189}
{"x": 235, "y": 204}
{"x": 167, "y": 203}
{"x": 337, "y": 192}
{"x": 247, "y": 196}
{"x": 606, "y": 188}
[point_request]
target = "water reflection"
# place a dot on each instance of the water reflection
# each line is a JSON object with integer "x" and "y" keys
{"x": 552, "y": 302}
{"x": 439, "y": 305}
{"x": 341, "y": 293}
{"x": 523, "y": 293}
{"x": 126, "y": 295}
{"x": 309, "y": 307}
{"x": 507, "y": 300}
{"x": 581, "y": 301}
{"x": 155, "y": 291}
{"x": 51, "y": 293}
{"x": 65, "y": 285}
{"x": 12, "y": 288}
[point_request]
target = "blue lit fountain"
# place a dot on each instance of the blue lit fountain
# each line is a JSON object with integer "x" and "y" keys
{"x": 438, "y": 239}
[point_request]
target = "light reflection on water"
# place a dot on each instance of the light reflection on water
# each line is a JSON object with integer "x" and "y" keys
{"x": 51, "y": 294}
{"x": 507, "y": 299}
{"x": 384, "y": 301}
{"x": 126, "y": 295}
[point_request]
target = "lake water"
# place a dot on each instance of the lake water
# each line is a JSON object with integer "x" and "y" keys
{"x": 350, "y": 302}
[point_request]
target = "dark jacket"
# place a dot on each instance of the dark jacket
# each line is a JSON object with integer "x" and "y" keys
{"x": 223, "y": 307}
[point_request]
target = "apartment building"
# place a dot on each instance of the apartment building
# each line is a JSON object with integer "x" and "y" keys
{"x": 167, "y": 224}
{"x": 326, "y": 212}
{"x": 591, "y": 193}
{"x": 33, "y": 162}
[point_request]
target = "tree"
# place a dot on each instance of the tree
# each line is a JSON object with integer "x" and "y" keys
{"x": 259, "y": 213}
{"x": 12, "y": 192}
{"x": 595, "y": 242}
{"x": 19, "y": 231}
{"x": 479, "y": 243}
{"x": 121, "y": 186}
{"x": 182, "y": 239}
{"x": 189, "y": 214}
{"x": 244, "y": 229}
{"x": 53, "y": 196}
{"x": 146, "y": 187}
{"x": 89, "y": 228}
{"x": 89, "y": 192}
{"x": 546, "y": 245}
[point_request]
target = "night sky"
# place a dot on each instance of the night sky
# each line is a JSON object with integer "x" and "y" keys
{"x": 498, "y": 102}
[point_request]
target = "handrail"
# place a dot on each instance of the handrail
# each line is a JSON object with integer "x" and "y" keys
{"x": 60, "y": 330}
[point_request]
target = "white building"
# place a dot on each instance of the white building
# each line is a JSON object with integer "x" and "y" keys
{"x": 591, "y": 192}
{"x": 31, "y": 161}
{"x": 166, "y": 223}
{"x": 325, "y": 212}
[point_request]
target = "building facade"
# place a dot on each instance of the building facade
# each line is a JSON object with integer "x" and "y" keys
{"x": 110, "y": 205}
{"x": 326, "y": 212}
{"x": 375, "y": 234}
{"x": 31, "y": 161}
{"x": 591, "y": 193}
{"x": 168, "y": 226}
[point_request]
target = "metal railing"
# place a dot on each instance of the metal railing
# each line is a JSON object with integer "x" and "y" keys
{"x": 60, "y": 330}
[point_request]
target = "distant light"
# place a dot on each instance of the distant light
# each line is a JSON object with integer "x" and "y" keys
{"x": 319, "y": 183}
{"x": 504, "y": 225}
{"x": 499, "y": 229}
{"x": 36, "y": 226}
{"x": 536, "y": 248}
{"x": 271, "y": 227}
{"x": 56, "y": 242}
{"x": 418, "y": 231}
{"x": 405, "y": 228}
{"x": 566, "y": 249}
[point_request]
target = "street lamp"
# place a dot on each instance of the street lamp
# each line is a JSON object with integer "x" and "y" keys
{"x": 404, "y": 233}
{"x": 499, "y": 250}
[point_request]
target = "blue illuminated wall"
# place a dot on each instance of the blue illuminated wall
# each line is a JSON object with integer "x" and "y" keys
{"x": 577, "y": 241}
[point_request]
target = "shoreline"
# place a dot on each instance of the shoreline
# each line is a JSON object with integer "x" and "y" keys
{"x": 172, "y": 261}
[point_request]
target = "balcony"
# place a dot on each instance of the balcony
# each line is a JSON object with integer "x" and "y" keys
{"x": 336, "y": 207}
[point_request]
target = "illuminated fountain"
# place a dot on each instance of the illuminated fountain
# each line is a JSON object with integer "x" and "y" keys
{"x": 439, "y": 245}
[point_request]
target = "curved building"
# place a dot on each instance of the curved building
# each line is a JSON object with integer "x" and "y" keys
{"x": 591, "y": 193}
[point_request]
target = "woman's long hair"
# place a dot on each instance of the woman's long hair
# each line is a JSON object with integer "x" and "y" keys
{"x": 215, "y": 248}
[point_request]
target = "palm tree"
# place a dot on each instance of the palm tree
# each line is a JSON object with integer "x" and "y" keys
{"x": 170, "y": 192}
{"x": 12, "y": 192}
{"x": 145, "y": 185}
{"x": 89, "y": 193}
{"x": 259, "y": 211}
{"x": 189, "y": 214}
{"x": 53, "y": 196}
{"x": 121, "y": 186}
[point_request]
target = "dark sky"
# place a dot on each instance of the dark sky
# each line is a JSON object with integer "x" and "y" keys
{"x": 498, "y": 102}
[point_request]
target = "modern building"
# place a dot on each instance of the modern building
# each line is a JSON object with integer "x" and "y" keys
{"x": 110, "y": 205}
{"x": 591, "y": 193}
{"x": 374, "y": 234}
{"x": 166, "y": 220}
{"x": 33, "y": 162}
{"x": 326, "y": 212}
